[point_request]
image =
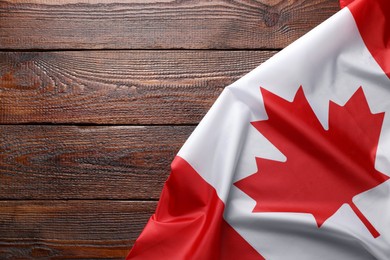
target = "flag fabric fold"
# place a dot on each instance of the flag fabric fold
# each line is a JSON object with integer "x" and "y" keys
{"x": 293, "y": 159}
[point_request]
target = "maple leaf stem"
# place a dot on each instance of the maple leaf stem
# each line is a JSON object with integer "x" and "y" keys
{"x": 365, "y": 221}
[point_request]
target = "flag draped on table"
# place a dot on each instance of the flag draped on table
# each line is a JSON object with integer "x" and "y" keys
{"x": 293, "y": 159}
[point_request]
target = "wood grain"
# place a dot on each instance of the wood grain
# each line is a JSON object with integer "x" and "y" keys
{"x": 70, "y": 162}
{"x": 201, "y": 24}
{"x": 117, "y": 87}
{"x": 99, "y": 96}
{"x": 71, "y": 229}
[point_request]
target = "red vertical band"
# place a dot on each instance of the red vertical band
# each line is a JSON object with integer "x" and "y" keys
{"x": 373, "y": 21}
{"x": 189, "y": 224}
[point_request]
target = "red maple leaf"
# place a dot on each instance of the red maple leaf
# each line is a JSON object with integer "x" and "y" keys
{"x": 324, "y": 168}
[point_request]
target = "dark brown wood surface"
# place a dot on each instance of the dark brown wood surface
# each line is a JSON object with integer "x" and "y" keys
{"x": 80, "y": 229}
{"x": 87, "y": 162}
{"x": 200, "y": 24}
{"x": 117, "y": 87}
{"x": 97, "y": 97}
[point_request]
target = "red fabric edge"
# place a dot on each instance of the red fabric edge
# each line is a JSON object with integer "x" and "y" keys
{"x": 344, "y": 3}
{"x": 189, "y": 224}
{"x": 372, "y": 18}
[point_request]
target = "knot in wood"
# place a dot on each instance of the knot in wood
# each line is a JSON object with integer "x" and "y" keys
{"x": 271, "y": 18}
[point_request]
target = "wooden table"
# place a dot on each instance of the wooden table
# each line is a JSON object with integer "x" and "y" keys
{"x": 97, "y": 97}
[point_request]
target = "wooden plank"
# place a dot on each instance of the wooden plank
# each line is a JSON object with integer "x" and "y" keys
{"x": 70, "y": 162}
{"x": 96, "y": 24}
{"x": 117, "y": 87}
{"x": 70, "y": 229}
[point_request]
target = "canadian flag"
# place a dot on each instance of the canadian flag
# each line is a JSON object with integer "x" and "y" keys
{"x": 293, "y": 159}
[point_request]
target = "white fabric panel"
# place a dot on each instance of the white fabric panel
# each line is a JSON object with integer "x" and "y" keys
{"x": 331, "y": 63}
